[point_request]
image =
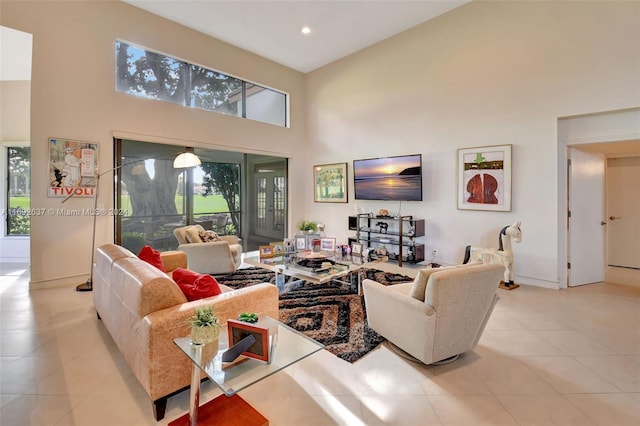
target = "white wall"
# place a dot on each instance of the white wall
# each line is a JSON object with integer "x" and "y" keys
{"x": 73, "y": 97}
{"x": 487, "y": 73}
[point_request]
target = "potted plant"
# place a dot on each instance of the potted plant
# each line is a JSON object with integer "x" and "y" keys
{"x": 308, "y": 226}
{"x": 205, "y": 326}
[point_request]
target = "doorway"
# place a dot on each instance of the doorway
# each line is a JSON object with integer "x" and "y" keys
{"x": 604, "y": 226}
{"x": 622, "y": 217}
{"x": 268, "y": 200}
{"x": 607, "y": 135}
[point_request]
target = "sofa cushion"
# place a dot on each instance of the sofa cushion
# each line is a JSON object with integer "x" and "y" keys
{"x": 196, "y": 286}
{"x": 208, "y": 236}
{"x": 151, "y": 256}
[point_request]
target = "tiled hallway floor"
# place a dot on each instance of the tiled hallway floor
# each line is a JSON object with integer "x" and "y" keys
{"x": 569, "y": 357}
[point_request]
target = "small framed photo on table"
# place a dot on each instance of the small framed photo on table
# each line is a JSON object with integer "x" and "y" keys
{"x": 266, "y": 251}
{"x": 301, "y": 242}
{"x": 328, "y": 244}
{"x": 238, "y": 330}
{"x": 289, "y": 245}
{"x": 278, "y": 248}
{"x": 356, "y": 249}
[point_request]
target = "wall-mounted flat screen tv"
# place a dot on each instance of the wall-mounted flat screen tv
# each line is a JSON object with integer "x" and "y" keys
{"x": 389, "y": 178}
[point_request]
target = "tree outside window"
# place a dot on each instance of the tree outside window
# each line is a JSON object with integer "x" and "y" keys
{"x": 19, "y": 190}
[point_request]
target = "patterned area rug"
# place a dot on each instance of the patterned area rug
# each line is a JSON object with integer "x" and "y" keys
{"x": 328, "y": 313}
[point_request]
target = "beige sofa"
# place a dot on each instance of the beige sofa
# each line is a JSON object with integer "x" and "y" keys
{"x": 220, "y": 257}
{"x": 144, "y": 310}
{"x": 438, "y": 316}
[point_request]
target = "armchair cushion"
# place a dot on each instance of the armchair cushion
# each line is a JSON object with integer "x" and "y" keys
{"x": 419, "y": 285}
{"x": 196, "y": 286}
{"x": 192, "y": 234}
{"x": 151, "y": 256}
{"x": 208, "y": 236}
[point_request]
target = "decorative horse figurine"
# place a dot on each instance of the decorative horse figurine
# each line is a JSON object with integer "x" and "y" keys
{"x": 504, "y": 254}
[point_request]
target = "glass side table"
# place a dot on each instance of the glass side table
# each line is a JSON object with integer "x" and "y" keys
{"x": 288, "y": 347}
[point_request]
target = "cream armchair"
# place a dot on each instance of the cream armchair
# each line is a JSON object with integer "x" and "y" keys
{"x": 438, "y": 316}
{"x": 219, "y": 257}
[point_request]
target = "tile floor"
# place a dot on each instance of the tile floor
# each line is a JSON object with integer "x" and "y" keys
{"x": 569, "y": 357}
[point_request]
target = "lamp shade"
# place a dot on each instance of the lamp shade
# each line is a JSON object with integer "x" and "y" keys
{"x": 186, "y": 160}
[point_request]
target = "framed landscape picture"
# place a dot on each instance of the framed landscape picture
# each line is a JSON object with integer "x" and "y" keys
{"x": 330, "y": 183}
{"x": 328, "y": 244}
{"x": 484, "y": 178}
{"x": 278, "y": 248}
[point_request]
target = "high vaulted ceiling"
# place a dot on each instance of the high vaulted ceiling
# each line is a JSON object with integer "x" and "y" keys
{"x": 272, "y": 29}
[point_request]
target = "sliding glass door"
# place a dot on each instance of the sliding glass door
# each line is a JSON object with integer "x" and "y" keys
{"x": 154, "y": 198}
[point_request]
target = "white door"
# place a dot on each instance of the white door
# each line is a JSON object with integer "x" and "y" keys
{"x": 586, "y": 204}
{"x": 623, "y": 212}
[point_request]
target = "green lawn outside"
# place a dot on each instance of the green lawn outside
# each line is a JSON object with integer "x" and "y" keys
{"x": 19, "y": 202}
{"x": 201, "y": 204}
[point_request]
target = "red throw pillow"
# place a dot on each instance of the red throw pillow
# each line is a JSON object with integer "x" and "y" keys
{"x": 196, "y": 286}
{"x": 151, "y": 256}
{"x": 185, "y": 275}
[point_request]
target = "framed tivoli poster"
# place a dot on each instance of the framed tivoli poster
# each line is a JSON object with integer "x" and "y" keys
{"x": 484, "y": 178}
{"x": 73, "y": 166}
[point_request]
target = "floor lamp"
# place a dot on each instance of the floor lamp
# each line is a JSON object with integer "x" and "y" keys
{"x": 185, "y": 160}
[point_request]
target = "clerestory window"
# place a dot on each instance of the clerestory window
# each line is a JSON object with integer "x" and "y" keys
{"x": 153, "y": 75}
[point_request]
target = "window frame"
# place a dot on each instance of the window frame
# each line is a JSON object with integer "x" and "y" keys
{"x": 242, "y": 91}
{"x": 5, "y": 187}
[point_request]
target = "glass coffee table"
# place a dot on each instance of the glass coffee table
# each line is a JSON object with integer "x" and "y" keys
{"x": 288, "y": 346}
{"x": 317, "y": 268}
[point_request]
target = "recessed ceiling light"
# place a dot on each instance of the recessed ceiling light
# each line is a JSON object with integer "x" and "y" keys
{"x": 306, "y": 30}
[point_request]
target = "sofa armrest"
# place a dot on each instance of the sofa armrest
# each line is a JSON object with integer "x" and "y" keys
{"x": 209, "y": 258}
{"x": 231, "y": 239}
{"x": 172, "y": 260}
{"x": 159, "y": 329}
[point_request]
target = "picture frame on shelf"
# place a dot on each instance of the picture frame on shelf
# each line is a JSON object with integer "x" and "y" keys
{"x": 238, "y": 330}
{"x": 356, "y": 249}
{"x": 484, "y": 178}
{"x": 328, "y": 244}
{"x": 266, "y": 251}
{"x": 330, "y": 183}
